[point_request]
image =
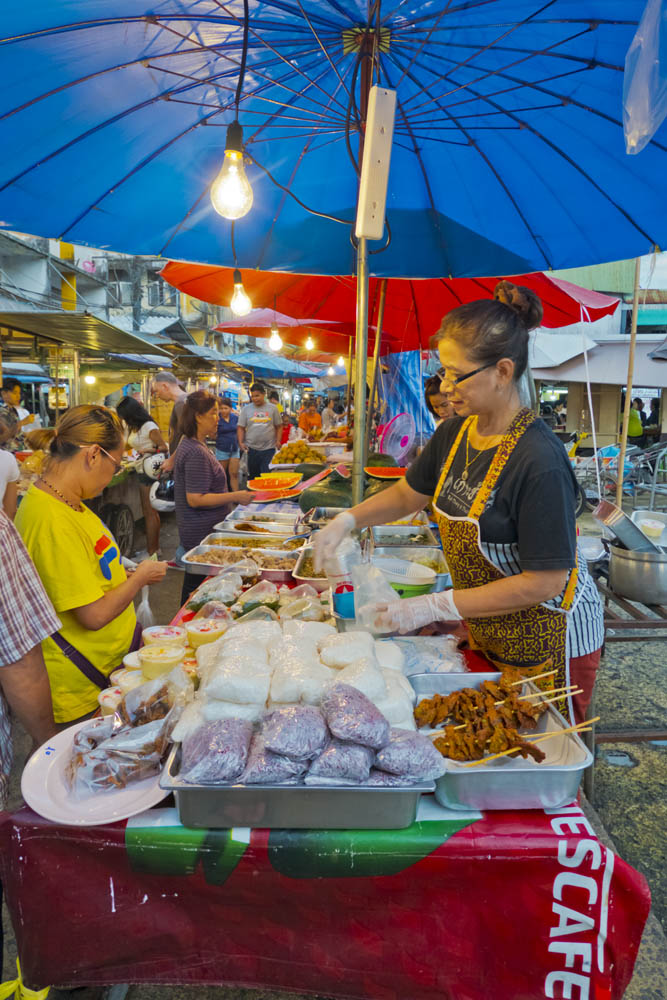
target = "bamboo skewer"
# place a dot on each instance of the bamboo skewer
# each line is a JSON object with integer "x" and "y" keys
{"x": 581, "y": 727}
{"x": 523, "y": 680}
{"x": 569, "y": 689}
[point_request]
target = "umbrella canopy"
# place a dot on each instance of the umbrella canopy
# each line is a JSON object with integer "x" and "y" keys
{"x": 508, "y": 144}
{"x": 274, "y": 366}
{"x": 413, "y": 309}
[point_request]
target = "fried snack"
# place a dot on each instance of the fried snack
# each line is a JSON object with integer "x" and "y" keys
{"x": 495, "y": 701}
{"x": 472, "y": 744}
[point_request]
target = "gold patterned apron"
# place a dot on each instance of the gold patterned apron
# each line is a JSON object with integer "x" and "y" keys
{"x": 533, "y": 639}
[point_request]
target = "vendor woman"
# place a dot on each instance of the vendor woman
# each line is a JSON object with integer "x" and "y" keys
{"x": 504, "y": 497}
{"x": 78, "y": 560}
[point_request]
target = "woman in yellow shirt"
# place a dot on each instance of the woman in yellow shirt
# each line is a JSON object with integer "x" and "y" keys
{"x": 78, "y": 560}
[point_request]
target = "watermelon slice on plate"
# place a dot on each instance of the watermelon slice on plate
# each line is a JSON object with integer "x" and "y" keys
{"x": 386, "y": 472}
{"x": 269, "y": 496}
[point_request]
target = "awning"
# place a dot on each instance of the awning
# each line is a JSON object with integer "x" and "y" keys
{"x": 652, "y": 316}
{"x": 78, "y": 330}
{"x": 547, "y": 350}
{"x": 267, "y": 365}
{"x": 608, "y": 365}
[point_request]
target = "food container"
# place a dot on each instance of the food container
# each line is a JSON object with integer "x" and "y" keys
{"x": 203, "y": 630}
{"x": 164, "y": 635}
{"x": 295, "y": 807}
{"x": 158, "y": 660}
{"x": 443, "y": 579}
{"x": 271, "y": 541}
{"x": 402, "y": 534}
{"x": 285, "y": 528}
{"x": 321, "y": 516}
{"x": 412, "y": 520}
{"x": 656, "y": 518}
{"x": 213, "y": 568}
{"x": 240, "y": 514}
{"x": 640, "y": 576}
{"x": 625, "y": 530}
{"x": 126, "y": 679}
{"x": 509, "y": 782}
{"x": 320, "y": 584}
{"x": 407, "y": 578}
{"x": 109, "y": 700}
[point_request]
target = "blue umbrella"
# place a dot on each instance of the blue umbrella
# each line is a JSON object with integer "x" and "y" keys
{"x": 267, "y": 365}
{"x": 508, "y": 151}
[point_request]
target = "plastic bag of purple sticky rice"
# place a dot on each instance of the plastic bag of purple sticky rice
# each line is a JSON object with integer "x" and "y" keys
{"x": 296, "y": 731}
{"x": 341, "y": 762}
{"x": 351, "y": 716}
{"x": 267, "y": 768}
{"x": 216, "y": 752}
{"x": 412, "y": 754}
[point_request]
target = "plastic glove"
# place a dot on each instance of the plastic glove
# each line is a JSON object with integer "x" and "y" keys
{"x": 326, "y": 541}
{"x": 415, "y": 612}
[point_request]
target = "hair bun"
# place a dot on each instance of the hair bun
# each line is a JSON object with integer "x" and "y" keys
{"x": 522, "y": 301}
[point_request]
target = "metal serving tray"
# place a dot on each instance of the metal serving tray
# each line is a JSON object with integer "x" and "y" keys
{"x": 405, "y": 532}
{"x": 212, "y": 569}
{"x": 286, "y": 528}
{"x": 295, "y": 807}
{"x": 322, "y": 515}
{"x": 320, "y": 584}
{"x": 510, "y": 783}
{"x": 638, "y": 516}
{"x": 239, "y": 514}
{"x": 272, "y": 541}
{"x": 443, "y": 579}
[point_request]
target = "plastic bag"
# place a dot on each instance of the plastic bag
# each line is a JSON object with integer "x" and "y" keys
{"x": 645, "y": 79}
{"x": 127, "y": 756}
{"x": 382, "y": 779}
{"x": 154, "y": 699}
{"x": 299, "y": 732}
{"x": 214, "y": 710}
{"x": 261, "y": 614}
{"x": 191, "y": 719}
{"x": 300, "y": 682}
{"x": 366, "y": 676}
{"x": 315, "y": 631}
{"x": 411, "y": 754}
{"x": 389, "y": 655}
{"x": 341, "y": 761}
{"x": 370, "y": 588}
{"x": 351, "y": 716}
{"x": 145, "y": 616}
{"x": 216, "y": 753}
{"x": 267, "y": 768}
{"x": 430, "y": 654}
{"x": 264, "y": 632}
{"x": 263, "y": 595}
{"x": 305, "y": 609}
{"x": 287, "y": 594}
{"x": 340, "y": 650}
{"x": 237, "y": 678}
{"x": 215, "y": 609}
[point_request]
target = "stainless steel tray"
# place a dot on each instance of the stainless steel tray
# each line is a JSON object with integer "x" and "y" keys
{"x": 414, "y": 553}
{"x": 510, "y": 782}
{"x": 273, "y": 542}
{"x": 652, "y": 515}
{"x": 273, "y": 527}
{"x": 405, "y": 534}
{"x": 211, "y": 569}
{"x": 625, "y": 530}
{"x": 240, "y": 514}
{"x": 319, "y": 584}
{"x": 421, "y": 517}
{"x": 294, "y": 807}
{"x": 322, "y": 515}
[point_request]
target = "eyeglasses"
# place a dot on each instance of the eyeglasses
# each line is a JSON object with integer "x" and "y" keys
{"x": 117, "y": 466}
{"x": 448, "y": 384}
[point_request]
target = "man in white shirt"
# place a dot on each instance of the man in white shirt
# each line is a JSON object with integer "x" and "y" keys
{"x": 259, "y": 430}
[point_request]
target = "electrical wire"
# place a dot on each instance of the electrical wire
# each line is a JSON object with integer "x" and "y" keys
{"x": 244, "y": 55}
{"x": 312, "y": 211}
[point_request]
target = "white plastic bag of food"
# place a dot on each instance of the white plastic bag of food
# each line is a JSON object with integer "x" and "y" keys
{"x": 212, "y": 710}
{"x": 266, "y": 633}
{"x": 300, "y": 682}
{"x": 190, "y": 720}
{"x": 371, "y": 587}
{"x": 396, "y": 680}
{"x": 237, "y": 679}
{"x": 305, "y": 609}
{"x": 339, "y": 651}
{"x": 389, "y": 655}
{"x": 289, "y": 594}
{"x": 315, "y": 631}
{"x": 365, "y": 676}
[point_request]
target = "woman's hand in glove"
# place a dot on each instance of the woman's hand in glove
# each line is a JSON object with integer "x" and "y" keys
{"x": 326, "y": 541}
{"x": 412, "y": 613}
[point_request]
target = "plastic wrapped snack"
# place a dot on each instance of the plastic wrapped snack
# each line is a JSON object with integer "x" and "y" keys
{"x": 154, "y": 699}
{"x": 241, "y": 644}
{"x": 191, "y": 719}
{"x": 127, "y": 756}
{"x": 411, "y": 754}
{"x": 261, "y": 614}
{"x": 288, "y": 652}
{"x": 237, "y": 679}
{"x": 214, "y": 710}
{"x": 298, "y": 732}
{"x": 289, "y": 594}
{"x": 216, "y": 753}
{"x": 339, "y": 651}
{"x": 267, "y": 768}
{"x": 300, "y": 682}
{"x": 314, "y": 631}
{"x": 366, "y": 677}
{"x": 202, "y": 631}
{"x": 94, "y": 732}
{"x": 389, "y": 655}
{"x": 263, "y": 595}
{"x": 264, "y": 632}
{"x": 215, "y": 608}
{"x": 306, "y": 609}
{"x": 341, "y": 761}
{"x": 351, "y": 716}
{"x": 397, "y": 680}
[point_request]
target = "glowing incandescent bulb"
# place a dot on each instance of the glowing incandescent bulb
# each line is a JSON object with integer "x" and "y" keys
{"x": 89, "y": 379}
{"x": 330, "y": 370}
{"x": 309, "y": 344}
{"x": 231, "y": 193}
{"x": 275, "y": 340}
{"x": 240, "y": 303}
{"x": 341, "y": 362}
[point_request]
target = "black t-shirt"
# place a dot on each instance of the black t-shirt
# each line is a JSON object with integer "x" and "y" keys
{"x": 532, "y": 505}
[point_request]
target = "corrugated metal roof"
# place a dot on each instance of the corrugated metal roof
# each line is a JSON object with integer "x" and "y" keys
{"x": 78, "y": 330}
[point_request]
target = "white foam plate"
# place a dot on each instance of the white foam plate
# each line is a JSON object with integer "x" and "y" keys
{"x": 45, "y": 789}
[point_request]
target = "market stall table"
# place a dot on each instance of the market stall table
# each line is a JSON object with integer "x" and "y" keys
{"x": 509, "y": 905}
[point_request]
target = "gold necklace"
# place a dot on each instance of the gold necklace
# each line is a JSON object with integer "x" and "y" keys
{"x": 469, "y": 461}
{"x": 61, "y": 495}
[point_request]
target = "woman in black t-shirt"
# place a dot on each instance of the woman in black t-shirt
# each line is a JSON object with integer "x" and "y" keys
{"x": 504, "y": 496}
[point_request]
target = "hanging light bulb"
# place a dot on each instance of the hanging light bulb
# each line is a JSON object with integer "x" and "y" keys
{"x": 341, "y": 362}
{"x": 240, "y": 303}
{"x": 231, "y": 193}
{"x": 213, "y": 379}
{"x": 309, "y": 344}
{"x": 330, "y": 370}
{"x": 89, "y": 379}
{"x": 275, "y": 340}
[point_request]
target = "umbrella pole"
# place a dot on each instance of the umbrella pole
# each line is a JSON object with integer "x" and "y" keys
{"x": 376, "y": 362}
{"x": 628, "y": 392}
{"x": 349, "y": 381}
{"x": 360, "y": 373}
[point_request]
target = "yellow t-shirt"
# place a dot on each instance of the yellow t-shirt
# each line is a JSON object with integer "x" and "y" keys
{"x": 78, "y": 561}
